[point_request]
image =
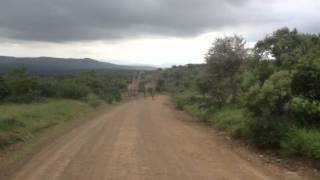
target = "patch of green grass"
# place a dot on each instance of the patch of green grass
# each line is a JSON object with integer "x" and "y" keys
{"x": 232, "y": 120}
{"x": 302, "y": 142}
{"x": 20, "y": 122}
{"x": 201, "y": 113}
{"x": 181, "y": 100}
{"x": 93, "y": 100}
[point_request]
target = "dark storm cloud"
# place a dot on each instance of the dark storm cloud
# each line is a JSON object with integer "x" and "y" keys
{"x": 79, "y": 20}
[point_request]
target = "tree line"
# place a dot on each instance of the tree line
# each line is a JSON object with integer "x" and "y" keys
{"x": 18, "y": 86}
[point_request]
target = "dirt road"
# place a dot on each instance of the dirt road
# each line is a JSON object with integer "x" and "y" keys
{"x": 144, "y": 140}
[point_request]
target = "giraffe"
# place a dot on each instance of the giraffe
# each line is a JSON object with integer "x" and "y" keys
{"x": 151, "y": 86}
{"x": 133, "y": 87}
{"x": 137, "y": 84}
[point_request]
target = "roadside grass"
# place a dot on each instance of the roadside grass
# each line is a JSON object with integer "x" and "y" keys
{"x": 302, "y": 142}
{"x": 201, "y": 113}
{"x": 230, "y": 119}
{"x": 20, "y": 122}
{"x": 233, "y": 120}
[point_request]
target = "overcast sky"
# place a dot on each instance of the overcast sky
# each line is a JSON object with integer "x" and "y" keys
{"x": 158, "y": 32}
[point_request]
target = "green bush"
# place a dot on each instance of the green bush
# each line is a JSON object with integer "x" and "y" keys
{"x": 275, "y": 93}
{"x": 72, "y": 90}
{"x": 271, "y": 98}
{"x": 248, "y": 79}
{"x": 267, "y": 133}
{"x": 306, "y": 112}
{"x": 111, "y": 95}
{"x": 266, "y": 106}
{"x": 48, "y": 87}
{"x": 303, "y": 142}
{"x": 181, "y": 100}
{"x": 31, "y": 95}
{"x": 306, "y": 80}
{"x": 180, "y": 103}
{"x": 117, "y": 95}
{"x": 251, "y": 100}
{"x": 201, "y": 113}
{"x": 93, "y": 100}
{"x": 233, "y": 120}
{"x": 261, "y": 69}
{"x": 22, "y": 87}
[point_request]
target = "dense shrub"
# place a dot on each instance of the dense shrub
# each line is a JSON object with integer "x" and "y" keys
{"x": 201, "y": 113}
{"x": 22, "y": 87}
{"x": 306, "y": 80}
{"x": 248, "y": 79}
{"x": 306, "y": 112}
{"x": 180, "y": 102}
{"x": 251, "y": 100}
{"x": 266, "y": 105}
{"x": 262, "y": 69}
{"x": 115, "y": 95}
{"x": 71, "y": 89}
{"x": 271, "y": 98}
{"x": 48, "y": 87}
{"x": 303, "y": 142}
{"x": 93, "y": 100}
{"x": 233, "y": 120}
{"x": 186, "y": 98}
{"x": 268, "y": 132}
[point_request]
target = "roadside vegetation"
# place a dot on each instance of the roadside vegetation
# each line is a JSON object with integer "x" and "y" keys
{"x": 30, "y": 104}
{"x": 268, "y": 95}
{"x": 21, "y": 122}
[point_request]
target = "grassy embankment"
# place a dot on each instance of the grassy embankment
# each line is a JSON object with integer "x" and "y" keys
{"x": 22, "y": 122}
{"x": 236, "y": 122}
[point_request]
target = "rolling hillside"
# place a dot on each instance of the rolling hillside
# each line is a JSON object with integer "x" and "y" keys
{"x": 48, "y": 65}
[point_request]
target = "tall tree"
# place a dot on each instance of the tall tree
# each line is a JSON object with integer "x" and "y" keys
{"x": 224, "y": 60}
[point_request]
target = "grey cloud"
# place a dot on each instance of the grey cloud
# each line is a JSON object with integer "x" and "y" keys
{"x": 81, "y": 20}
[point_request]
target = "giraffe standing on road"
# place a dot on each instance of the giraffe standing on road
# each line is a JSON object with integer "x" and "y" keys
{"x": 151, "y": 86}
{"x": 133, "y": 87}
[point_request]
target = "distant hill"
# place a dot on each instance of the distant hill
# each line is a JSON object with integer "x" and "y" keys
{"x": 49, "y": 65}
